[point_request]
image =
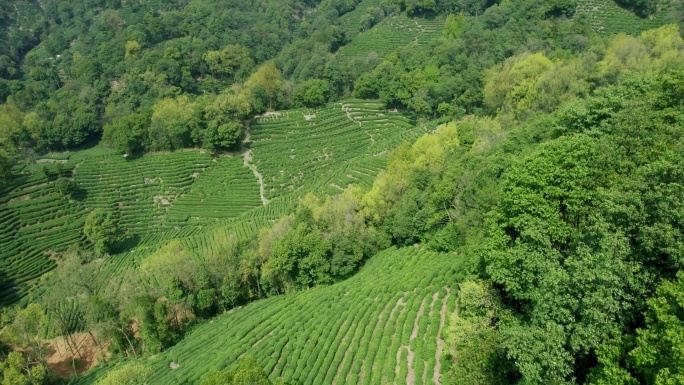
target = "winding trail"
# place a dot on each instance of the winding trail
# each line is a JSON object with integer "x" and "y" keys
{"x": 437, "y": 376}
{"x": 247, "y": 155}
{"x": 347, "y": 111}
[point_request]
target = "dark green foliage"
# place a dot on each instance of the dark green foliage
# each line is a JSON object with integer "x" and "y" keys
{"x": 102, "y": 229}
{"x": 5, "y": 169}
{"x": 224, "y": 135}
{"x": 312, "y": 93}
{"x": 408, "y": 219}
{"x": 128, "y": 134}
{"x": 232, "y": 62}
{"x": 579, "y": 219}
{"x": 372, "y": 17}
{"x": 651, "y": 356}
{"x": 302, "y": 256}
{"x": 413, "y": 6}
{"x": 473, "y": 339}
{"x": 640, "y": 7}
{"x": 66, "y": 186}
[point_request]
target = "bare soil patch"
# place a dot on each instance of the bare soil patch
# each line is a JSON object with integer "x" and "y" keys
{"x": 61, "y": 360}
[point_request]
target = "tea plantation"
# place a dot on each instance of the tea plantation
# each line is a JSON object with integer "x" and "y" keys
{"x": 384, "y": 325}
{"x": 328, "y": 149}
{"x": 392, "y": 33}
{"x": 607, "y": 18}
{"x": 190, "y": 195}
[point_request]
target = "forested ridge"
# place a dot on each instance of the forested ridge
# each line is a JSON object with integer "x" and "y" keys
{"x": 503, "y": 191}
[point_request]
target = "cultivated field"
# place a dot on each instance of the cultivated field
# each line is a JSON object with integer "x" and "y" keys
{"x": 190, "y": 195}
{"x": 391, "y": 34}
{"x": 328, "y": 149}
{"x": 382, "y": 326}
{"x": 607, "y": 18}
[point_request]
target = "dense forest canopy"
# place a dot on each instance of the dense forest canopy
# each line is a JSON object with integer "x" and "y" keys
{"x": 551, "y": 167}
{"x": 70, "y": 70}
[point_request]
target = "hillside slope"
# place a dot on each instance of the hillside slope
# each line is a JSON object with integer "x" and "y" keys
{"x": 191, "y": 195}
{"x": 384, "y": 325}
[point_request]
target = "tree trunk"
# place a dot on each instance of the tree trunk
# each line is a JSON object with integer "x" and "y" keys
{"x": 129, "y": 341}
{"x": 97, "y": 342}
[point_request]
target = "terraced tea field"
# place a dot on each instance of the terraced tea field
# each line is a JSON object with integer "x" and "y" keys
{"x": 382, "y": 326}
{"x": 352, "y": 20}
{"x": 190, "y": 195}
{"x": 607, "y": 18}
{"x": 328, "y": 149}
{"x": 37, "y": 221}
{"x": 393, "y": 33}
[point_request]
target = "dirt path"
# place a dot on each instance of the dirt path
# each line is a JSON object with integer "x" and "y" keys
{"x": 350, "y": 117}
{"x": 280, "y": 358}
{"x": 344, "y": 359}
{"x": 378, "y": 325}
{"x": 411, "y": 375}
{"x": 425, "y": 370}
{"x": 397, "y": 366}
{"x": 437, "y": 376}
{"x": 247, "y": 155}
{"x": 263, "y": 338}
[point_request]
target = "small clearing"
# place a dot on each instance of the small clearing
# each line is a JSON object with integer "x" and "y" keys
{"x": 61, "y": 361}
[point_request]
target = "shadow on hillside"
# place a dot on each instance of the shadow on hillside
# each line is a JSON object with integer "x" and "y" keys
{"x": 14, "y": 181}
{"x": 128, "y": 243}
{"x": 80, "y": 194}
{"x": 8, "y": 290}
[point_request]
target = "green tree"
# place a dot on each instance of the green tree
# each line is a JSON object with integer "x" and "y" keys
{"x": 658, "y": 357}
{"x": 453, "y": 25}
{"x": 66, "y": 186}
{"x": 312, "y": 93}
{"x": 224, "y": 117}
{"x": 171, "y": 261}
{"x": 235, "y": 103}
{"x": 16, "y": 370}
{"x": 420, "y": 6}
{"x": 654, "y": 356}
{"x": 472, "y": 336}
{"x": 233, "y": 61}
{"x": 511, "y": 85}
{"x": 173, "y": 122}
{"x": 269, "y": 79}
{"x": 132, "y": 49}
{"x": 128, "y": 134}
{"x": 11, "y": 130}
{"x": 640, "y": 7}
{"x": 224, "y": 135}
{"x": 26, "y": 330}
{"x": 552, "y": 252}
{"x": 472, "y": 7}
{"x": 102, "y": 229}
{"x": 296, "y": 257}
{"x": 5, "y": 169}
